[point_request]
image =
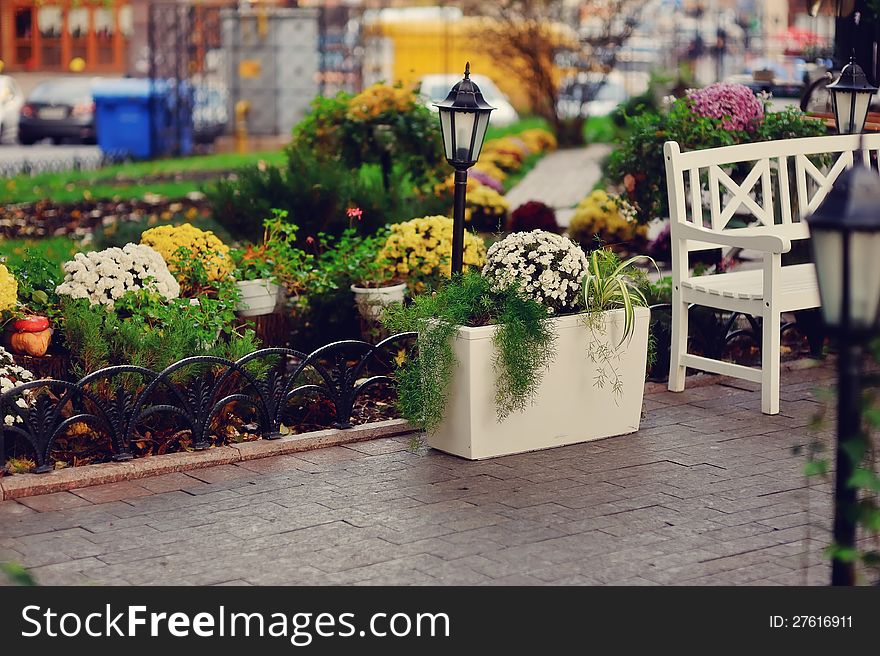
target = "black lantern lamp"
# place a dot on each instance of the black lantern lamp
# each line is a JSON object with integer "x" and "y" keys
{"x": 464, "y": 118}
{"x": 851, "y": 95}
{"x": 845, "y": 235}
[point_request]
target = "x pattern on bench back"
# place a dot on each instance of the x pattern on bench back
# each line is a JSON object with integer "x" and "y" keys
{"x": 704, "y": 194}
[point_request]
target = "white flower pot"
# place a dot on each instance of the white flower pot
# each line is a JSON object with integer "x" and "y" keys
{"x": 257, "y": 297}
{"x": 568, "y": 408}
{"x": 372, "y": 300}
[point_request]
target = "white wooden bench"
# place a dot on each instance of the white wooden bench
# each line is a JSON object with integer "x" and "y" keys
{"x": 777, "y": 204}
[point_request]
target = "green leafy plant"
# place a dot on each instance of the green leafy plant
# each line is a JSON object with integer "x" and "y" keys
{"x": 353, "y": 259}
{"x": 865, "y": 479}
{"x": 637, "y": 165}
{"x": 17, "y": 574}
{"x": 146, "y": 331}
{"x": 277, "y": 257}
{"x": 37, "y": 279}
{"x": 610, "y": 284}
{"x": 523, "y": 345}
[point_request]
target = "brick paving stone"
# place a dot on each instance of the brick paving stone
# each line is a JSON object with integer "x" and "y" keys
{"x": 9, "y": 509}
{"x": 112, "y": 492}
{"x": 54, "y": 501}
{"x": 690, "y": 499}
{"x": 171, "y": 482}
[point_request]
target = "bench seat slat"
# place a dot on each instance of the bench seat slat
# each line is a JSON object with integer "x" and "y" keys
{"x": 796, "y": 279}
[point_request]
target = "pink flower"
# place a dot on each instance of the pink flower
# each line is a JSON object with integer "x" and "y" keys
{"x": 734, "y": 104}
{"x": 355, "y": 213}
{"x": 310, "y": 240}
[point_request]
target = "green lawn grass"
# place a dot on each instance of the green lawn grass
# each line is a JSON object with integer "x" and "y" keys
{"x": 125, "y": 180}
{"x": 55, "y": 249}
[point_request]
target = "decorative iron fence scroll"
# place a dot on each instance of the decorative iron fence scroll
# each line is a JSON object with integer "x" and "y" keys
{"x": 193, "y": 393}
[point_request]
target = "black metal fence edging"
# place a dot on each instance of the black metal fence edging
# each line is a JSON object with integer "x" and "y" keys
{"x": 41, "y": 411}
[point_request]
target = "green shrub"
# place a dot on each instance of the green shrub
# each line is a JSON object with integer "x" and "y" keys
{"x": 316, "y": 193}
{"x": 638, "y": 166}
{"x": 146, "y": 331}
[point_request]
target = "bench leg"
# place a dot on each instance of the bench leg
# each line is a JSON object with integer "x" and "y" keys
{"x": 677, "y": 370}
{"x": 770, "y": 349}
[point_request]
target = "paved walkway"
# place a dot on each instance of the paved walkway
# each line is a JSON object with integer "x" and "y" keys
{"x": 561, "y": 180}
{"x": 707, "y": 492}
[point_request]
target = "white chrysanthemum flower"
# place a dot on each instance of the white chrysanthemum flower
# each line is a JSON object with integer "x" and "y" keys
{"x": 547, "y": 267}
{"x": 104, "y": 276}
{"x": 11, "y": 376}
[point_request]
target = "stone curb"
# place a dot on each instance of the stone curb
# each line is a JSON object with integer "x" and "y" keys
{"x": 26, "y": 485}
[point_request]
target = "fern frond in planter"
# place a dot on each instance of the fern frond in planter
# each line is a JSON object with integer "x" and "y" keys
{"x": 523, "y": 345}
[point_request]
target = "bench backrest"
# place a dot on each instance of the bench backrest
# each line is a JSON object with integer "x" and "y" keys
{"x": 767, "y": 192}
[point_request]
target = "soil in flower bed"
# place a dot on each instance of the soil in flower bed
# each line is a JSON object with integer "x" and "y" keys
{"x": 83, "y": 446}
{"x": 47, "y": 218}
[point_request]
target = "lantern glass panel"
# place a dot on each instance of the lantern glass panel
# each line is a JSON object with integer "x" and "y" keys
{"x": 828, "y": 254}
{"x": 464, "y": 130}
{"x": 446, "y": 126}
{"x": 864, "y": 278}
{"x": 482, "y": 126}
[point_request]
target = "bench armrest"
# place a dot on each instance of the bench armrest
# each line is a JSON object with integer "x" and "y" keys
{"x": 764, "y": 243}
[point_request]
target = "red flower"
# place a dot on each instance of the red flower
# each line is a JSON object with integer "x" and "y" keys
{"x": 355, "y": 213}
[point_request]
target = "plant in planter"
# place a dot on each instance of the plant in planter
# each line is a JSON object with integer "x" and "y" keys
{"x": 273, "y": 266}
{"x": 37, "y": 277}
{"x": 374, "y": 283}
{"x": 517, "y": 340}
{"x": 610, "y": 284}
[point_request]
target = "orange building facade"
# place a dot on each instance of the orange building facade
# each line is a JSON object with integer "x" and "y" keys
{"x": 65, "y": 35}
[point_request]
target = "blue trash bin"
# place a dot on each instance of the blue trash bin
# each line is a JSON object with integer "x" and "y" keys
{"x": 139, "y": 118}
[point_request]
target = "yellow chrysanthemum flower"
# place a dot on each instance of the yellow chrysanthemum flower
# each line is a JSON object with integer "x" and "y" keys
{"x": 378, "y": 99}
{"x": 420, "y": 250}
{"x": 600, "y": 215}
{"x": 538, "y": 140}
{"x": 8, "y": 289}
{"x": 202, "y": 244}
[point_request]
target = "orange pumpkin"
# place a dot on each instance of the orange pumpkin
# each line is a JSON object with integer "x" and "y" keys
{"x": 33, "y": 344}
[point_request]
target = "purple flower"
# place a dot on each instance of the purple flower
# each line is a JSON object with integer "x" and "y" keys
{"x": 734, "y": 104}
{"x": 488, "y": 180}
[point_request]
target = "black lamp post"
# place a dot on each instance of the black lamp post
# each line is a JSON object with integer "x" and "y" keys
{"x": 464, "y": 117}
{"x": 845, "y": 234}
{"x": 851, "y": 94}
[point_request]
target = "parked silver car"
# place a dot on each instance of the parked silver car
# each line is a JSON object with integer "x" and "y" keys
{"x": 11, "y": 100}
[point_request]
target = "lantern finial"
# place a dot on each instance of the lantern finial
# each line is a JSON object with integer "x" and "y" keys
{"x": 467, "y": 71}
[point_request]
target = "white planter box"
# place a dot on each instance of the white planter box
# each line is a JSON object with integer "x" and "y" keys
{"x": 371, "y": 301}
{"x": 257, "y": 297}
{"x": 568, "y": 408}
